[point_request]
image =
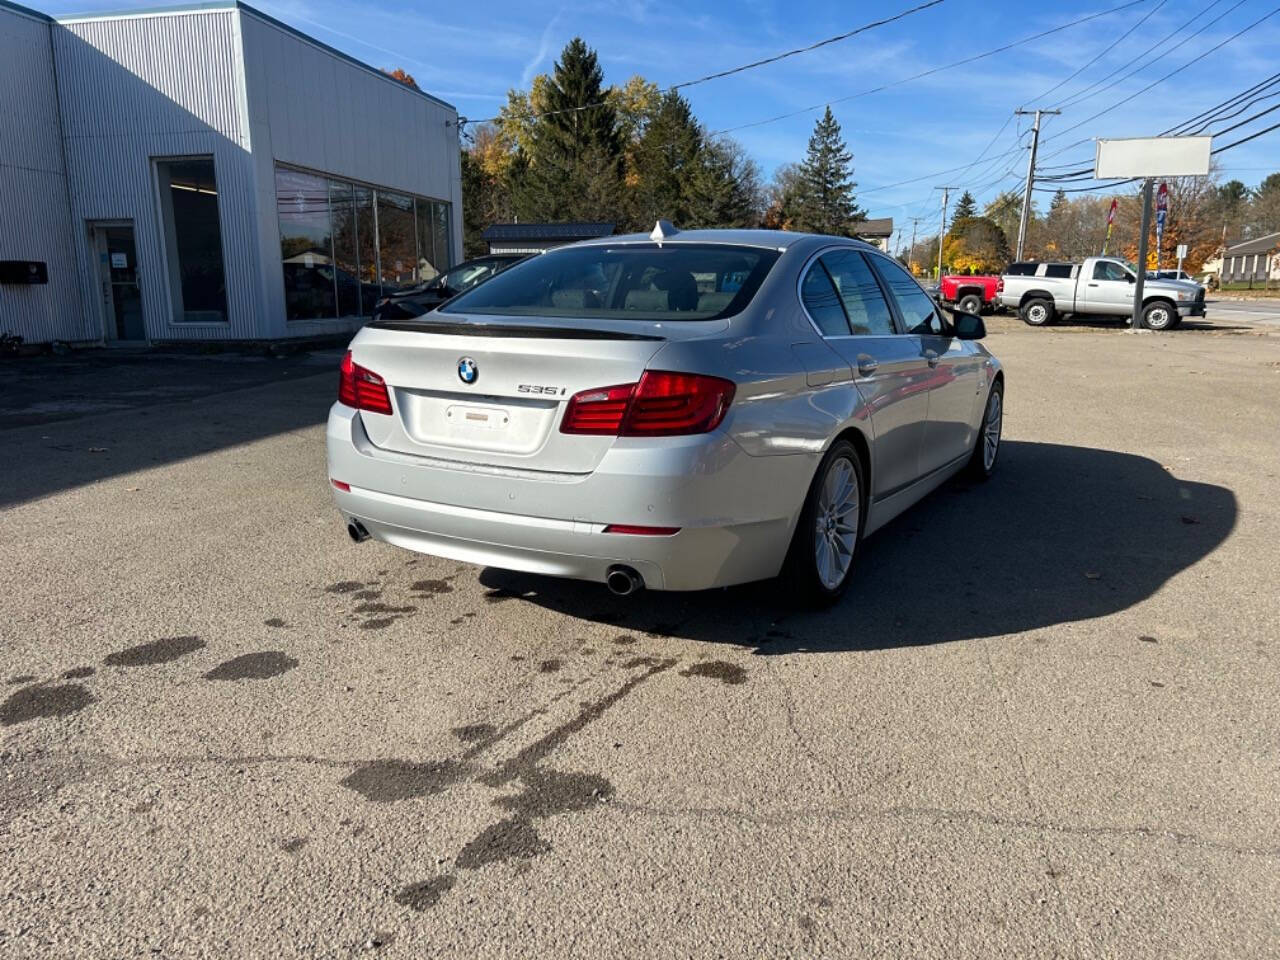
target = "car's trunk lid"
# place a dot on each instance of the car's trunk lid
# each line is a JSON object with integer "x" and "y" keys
{"x": 525, "y": 371}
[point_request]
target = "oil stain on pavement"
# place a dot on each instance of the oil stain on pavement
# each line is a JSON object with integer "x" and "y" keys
{"x": 43, "y": 702}
{"x": 385, "y": 781}
{"x": 253, "y": 666}
{"x": 544, "y": 793}
{"x": 157, "y": 651}
{"x": 720, "y": 670}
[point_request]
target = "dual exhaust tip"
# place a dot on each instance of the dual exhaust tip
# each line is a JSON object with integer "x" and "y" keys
{"x": 621, "y": 580}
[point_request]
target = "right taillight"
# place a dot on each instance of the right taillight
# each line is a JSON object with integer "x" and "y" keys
{"x": 362, "y": 388}
{"x": 662, "y": 404}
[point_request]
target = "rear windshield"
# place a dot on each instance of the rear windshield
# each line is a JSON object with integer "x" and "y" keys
{"x": 635, "y": 281}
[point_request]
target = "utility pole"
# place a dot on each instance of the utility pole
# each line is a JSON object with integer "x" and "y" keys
{"x": 912, "y": 249}
{"x": 1031, "y": 173}
{"x": 946, "y": 195}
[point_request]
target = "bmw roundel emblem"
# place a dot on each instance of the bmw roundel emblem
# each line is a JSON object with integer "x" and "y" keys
{"x": 468, "y": 372}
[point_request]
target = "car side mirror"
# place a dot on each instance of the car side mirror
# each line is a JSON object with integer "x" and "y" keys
{"x": 968, "y": 326}
{"x": 1131, "y": 278}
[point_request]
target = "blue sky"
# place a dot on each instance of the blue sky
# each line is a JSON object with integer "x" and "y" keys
{"x": 471, "y": 54}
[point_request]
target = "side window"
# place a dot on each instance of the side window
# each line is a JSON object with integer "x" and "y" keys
{"x": 864, "y": 304}
{"x": 1060, "y": 270}
{"x": 822, "y": 302}
{"x": 919, "y": 312}
{"x": 1107, "y": 270}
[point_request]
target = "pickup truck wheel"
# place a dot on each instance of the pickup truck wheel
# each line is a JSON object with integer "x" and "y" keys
{"x": 1159, "y": 315}
{"x": 969, "y": 303}
{"x": 1037, "y": 312}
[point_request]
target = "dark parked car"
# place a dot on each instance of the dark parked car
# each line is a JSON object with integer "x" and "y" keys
{"x": 415, "y": 301}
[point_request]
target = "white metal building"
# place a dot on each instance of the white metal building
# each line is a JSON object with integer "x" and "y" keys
{"x": 208, "y": 173}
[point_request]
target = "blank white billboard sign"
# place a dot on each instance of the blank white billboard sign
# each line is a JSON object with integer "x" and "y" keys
{"x": 1152, "y": 157}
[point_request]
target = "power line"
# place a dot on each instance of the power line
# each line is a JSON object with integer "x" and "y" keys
{"x": 1155, "y": 83}
{"x": 930, "y": 72}
{"x": 1083, "y": 94}
{"x": 1213, "y": 152}
{"x": 813, "y": 46}
{"x": 733, "y": 70}
{"x": 1206, "y": 118}
{"x": 1111, "y": 46}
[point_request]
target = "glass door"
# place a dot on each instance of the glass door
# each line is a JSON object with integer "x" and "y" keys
{"x": 118, "y": 274}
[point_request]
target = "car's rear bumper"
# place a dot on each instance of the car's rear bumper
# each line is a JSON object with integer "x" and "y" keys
{"x": 735, "y": 512}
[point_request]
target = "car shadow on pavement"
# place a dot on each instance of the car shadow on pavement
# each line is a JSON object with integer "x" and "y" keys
{"x": 1059, "y": 534}
{"x": 68, "y": 422}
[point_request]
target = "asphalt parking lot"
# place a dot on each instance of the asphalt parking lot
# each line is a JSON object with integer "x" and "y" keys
{"x": 1043, "y": 722}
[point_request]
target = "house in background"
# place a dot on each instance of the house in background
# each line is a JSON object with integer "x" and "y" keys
{"x": 537, "y": 237}
{"x": 876, "y": 232}
{"x": 1254, "y": 261}
{"x": 209, "y": 173}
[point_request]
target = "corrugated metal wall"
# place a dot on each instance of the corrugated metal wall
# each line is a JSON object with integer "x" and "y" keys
{"x": 140, "y": 87}
{"x": 35, "y": 219}
{"x": 99, "y": 99}
{"x": 310, "y": 107}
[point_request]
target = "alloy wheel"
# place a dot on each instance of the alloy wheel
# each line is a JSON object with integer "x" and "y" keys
{"x": 836, "y": 523}
{"x": 991, "y": 430}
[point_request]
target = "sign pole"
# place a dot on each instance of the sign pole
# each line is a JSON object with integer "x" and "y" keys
{"x": 1142, "y": 254}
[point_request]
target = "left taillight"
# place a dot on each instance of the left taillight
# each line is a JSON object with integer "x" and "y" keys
{"x": 362, "y": 388}
{"x": 662, "y": 404}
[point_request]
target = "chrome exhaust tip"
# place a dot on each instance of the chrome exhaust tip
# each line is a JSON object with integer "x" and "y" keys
{"x": 356, "y": 531}
{"x": 623, "y": 581}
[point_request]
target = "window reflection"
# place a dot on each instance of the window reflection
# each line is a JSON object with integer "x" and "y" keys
{"x": 343, "y": 244}
{"x": 306, "y": 245}
{"x": 397, "y": 241}
{"x": 346, "y": 255}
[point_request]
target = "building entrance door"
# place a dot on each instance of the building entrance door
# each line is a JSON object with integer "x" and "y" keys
{"x": 118, "y": 280}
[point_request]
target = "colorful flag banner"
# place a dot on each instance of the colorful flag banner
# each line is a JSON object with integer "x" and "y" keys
{"x": 1111, "y": 219}
{"x": 1162, "y": 211}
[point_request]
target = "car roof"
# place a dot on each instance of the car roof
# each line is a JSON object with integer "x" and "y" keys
{"x": 769, "y": 239}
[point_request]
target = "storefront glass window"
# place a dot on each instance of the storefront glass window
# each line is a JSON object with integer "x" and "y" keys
{"x": 397, "y": 241}
{"x": 342, "y": 245}
{"x": 193, "y": 239}
{"x": 306, "y": 245}
{"x": 346, "y": 255}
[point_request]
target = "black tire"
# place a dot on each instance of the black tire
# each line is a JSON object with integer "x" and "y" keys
{"x": 800, "y": 579}
{"x": 1037, "y": 312}
{"x": 969, "y": 303}
{"x": 979, "y": 468}
{"x": 1159, "y": 315}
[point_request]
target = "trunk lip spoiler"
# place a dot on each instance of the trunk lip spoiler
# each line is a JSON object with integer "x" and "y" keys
{"x": 512, "y": 330}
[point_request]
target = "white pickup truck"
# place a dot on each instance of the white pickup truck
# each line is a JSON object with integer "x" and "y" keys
{"x": 1101, "y": 286}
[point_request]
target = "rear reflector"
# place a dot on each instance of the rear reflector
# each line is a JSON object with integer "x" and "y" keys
{"x": 362, "y": 388}
{"x": 344, "y": 487}
{"x": 662, "y": 404}
{"x": 641, "y": 531}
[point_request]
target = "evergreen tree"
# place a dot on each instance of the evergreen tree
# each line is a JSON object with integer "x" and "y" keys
{"x": 825, "y": 201}
{"x": 966, "y": 208}
{"x": 725, "y": 188}
{"x": 664, "y": 164}
{"x": 575, "y": 151}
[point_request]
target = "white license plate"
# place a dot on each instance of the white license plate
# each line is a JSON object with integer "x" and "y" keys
{"x": 477, "y": 418}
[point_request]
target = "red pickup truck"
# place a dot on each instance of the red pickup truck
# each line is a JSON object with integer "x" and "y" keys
{"x": 969, "y": 294}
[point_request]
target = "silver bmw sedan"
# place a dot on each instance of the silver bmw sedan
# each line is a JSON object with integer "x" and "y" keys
{"x": 676, "y": 411}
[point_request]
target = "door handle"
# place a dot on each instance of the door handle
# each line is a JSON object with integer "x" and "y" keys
{"x": 932, "y": 357}
{"x": 867, "y": 365}
{"x": 1093, "y": 284}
